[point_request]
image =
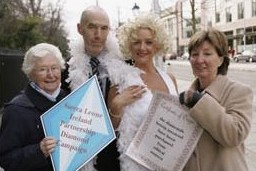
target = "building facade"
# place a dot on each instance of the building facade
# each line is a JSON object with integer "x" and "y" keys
{"x": 236, "y": 18}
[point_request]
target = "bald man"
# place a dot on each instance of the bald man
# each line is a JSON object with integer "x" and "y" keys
{"x": 96, "y": 54}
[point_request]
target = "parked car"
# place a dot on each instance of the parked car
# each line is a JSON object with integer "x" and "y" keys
{"x": 170, "y": 56}
{"x": 185, "y": 56}
{"x": 247, "y": 56}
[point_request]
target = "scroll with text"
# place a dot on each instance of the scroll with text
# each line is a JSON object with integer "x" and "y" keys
{"x": 167, "y": 136}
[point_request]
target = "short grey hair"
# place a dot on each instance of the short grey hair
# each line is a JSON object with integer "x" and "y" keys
{"x": 40, "y": 50}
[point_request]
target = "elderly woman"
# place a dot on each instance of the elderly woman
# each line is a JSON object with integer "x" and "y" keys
{"x": 221, "y": 106}
{"x": 23, "y": 145}
{"x": 141, "y": 40}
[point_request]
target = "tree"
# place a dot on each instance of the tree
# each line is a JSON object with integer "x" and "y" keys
{"x": 183, "y": 19}
{"x": 28, "y": 22}
{"x": 191, "y": 8}
{"x": 199, "y": 6}
{"x": 193, "y": 15}
{"x": 193, "y": 20}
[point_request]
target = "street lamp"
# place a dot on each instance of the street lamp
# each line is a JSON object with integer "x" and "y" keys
{"x": 244, "y": 36}
{"x": 135, "y": 9}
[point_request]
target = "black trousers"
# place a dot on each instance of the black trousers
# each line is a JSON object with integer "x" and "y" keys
{"x": 107, "y": 159}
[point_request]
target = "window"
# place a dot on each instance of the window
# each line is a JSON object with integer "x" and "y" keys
{"x": 240, "y": 11}
{"x": 253, "y": 8}
{"x": 228, "y": 15}
{"x": 170, "y": 26}
{"x": 217, "y": 17}
{"x": 240, "y": 31}
{"x": 189, "y": 33}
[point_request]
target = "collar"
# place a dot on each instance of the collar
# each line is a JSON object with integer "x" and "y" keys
{"x": 51, "y": 97}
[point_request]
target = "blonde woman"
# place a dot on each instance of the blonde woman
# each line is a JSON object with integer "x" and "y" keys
{"x": 140, "y": 40}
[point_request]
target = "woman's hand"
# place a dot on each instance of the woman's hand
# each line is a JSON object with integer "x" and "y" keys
{"x": 128, "y": 96}
{"x": 117, "y": 101}
{"x": 47, "y": 145}
{"x": 189, "y": 98}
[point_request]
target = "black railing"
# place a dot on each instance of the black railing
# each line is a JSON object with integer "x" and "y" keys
{"x": 12, "y": 79}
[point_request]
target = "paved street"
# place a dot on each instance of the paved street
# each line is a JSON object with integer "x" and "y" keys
{"x": 184, "y": 82}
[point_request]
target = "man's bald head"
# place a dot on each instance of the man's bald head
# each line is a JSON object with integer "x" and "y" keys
{"x": 94, "y": 26}
{"x": 92, "y": 11}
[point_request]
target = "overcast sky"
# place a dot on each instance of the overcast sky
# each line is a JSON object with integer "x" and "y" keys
{"x": 115, "y": 8}
{"x": 74, "y": 8}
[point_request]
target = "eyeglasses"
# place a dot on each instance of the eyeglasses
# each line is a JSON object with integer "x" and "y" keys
{"x": 46, "y": 70}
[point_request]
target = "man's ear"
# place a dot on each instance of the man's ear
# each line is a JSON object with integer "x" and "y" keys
{"x": 79, "y": 29}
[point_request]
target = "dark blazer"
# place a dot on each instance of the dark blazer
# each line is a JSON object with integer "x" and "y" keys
{"x": 21, "y": 132}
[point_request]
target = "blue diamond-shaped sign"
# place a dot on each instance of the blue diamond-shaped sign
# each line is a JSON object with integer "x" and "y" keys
{"x": 81, "y": 125}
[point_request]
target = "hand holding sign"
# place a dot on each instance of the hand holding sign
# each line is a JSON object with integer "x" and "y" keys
{"x": 81, "y": 125}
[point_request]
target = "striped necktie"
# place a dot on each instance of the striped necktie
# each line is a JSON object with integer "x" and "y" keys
{"x": 94, "y": 64}
{"x": 95, "y": 70}
{"x": 104, "y": 83}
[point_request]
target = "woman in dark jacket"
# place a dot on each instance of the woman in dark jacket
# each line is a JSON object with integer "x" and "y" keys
{"x": 23, "y": 146}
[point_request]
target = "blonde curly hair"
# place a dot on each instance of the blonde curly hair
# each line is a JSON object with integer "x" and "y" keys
{"x": 127, "y": 33}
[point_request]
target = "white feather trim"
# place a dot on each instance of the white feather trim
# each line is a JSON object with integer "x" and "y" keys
{"x": 119, "y": 72}
{"x": 133, "y": 117}
{"x": 123, "y": 76}
{"x": 79, "y": 66}
{"x": 131, "y": 120}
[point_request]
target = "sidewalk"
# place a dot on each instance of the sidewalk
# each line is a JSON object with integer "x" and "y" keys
{"x": 250, "y": 142}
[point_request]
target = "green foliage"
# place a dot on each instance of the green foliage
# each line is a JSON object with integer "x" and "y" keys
{"x": 24, "y": 34}
{"x": 21, "y": 29}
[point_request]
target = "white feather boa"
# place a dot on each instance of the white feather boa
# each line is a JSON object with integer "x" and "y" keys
{"x": 131, "y": 120}
{"x": 120, "y": 74}
{"x": 123, "y": 76}
{"x": 133, "y": 116}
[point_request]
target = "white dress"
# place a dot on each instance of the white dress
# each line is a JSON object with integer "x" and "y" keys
{"x": 132, "y": 119}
